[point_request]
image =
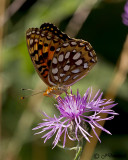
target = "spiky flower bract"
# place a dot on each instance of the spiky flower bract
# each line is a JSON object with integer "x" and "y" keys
{"x": 77, "y": 113}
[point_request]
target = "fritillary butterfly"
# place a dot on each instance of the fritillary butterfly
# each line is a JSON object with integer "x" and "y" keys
{"x": 59, "y": 60}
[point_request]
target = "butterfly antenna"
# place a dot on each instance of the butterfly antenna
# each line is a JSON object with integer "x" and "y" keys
{"x": 24, "y": 97}
{"x": 24, "y": 89}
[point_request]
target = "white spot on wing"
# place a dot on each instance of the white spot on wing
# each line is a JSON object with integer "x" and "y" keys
{"x": 93, "y": 60}
{"x": 61, "y": 74}
{"x": 54, "y": 61}
{"x": 56, "y": 78}
{"x": 31, "y": 41}
{"x": 90, "y": 54}
{"x": 73, "y": 43}
{"x": 66, "y": 68}
{"x": 42, "y": 34}
{"x": 85, "y": 65}
{"x": 76, "y": 70}
{"x": 48, "y": 37}
{"x": 54, "y": 70}
{"x": 67, "y": 55}
{"x": 33, "y": 31}
{"x": 58, "y": 49}
{"x": 29, "y": 33}
{"x": 37, "y": 32}
{"x": 76, "y": 56}
{"x": 79, "y": 62}
{"x": 74, "y": 51}
{"x": 82, "y": 44}
{"x": 61, "y": 57}
{"x": 65, "y": 44}
{"x": 87, "y": 48}
{"x": 36, "y": 40}
{"x": 66, "y": 78}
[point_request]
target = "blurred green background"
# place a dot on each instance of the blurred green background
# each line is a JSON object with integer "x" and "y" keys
{"x": 98, "y": 22}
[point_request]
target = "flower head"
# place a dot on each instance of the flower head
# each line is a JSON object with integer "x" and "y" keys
{"x": 77, "y": 114}
{"x": 125, "y": 14}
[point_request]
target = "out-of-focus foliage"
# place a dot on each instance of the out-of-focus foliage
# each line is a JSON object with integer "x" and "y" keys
{"x": 103, "y": 28}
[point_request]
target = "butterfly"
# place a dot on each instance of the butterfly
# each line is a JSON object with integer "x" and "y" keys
{"x": 59, "y": 60}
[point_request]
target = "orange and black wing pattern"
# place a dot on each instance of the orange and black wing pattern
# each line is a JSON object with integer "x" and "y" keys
{"x": 42, "y": 43}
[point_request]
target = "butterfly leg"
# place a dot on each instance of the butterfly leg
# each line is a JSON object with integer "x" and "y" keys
{"x": 56, "y": 96}
{"x": 68, "y": 92}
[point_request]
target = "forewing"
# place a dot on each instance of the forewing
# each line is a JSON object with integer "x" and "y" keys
{"x": 42, "y": 43}
{"x": 72, "y": 61}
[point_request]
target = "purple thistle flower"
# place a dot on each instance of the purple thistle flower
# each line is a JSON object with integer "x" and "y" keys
{"x": 125, "y": 14}
{"x": 76, "y": 114}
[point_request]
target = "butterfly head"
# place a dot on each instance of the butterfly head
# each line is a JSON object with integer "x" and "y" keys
{"x": 55, "y": 90}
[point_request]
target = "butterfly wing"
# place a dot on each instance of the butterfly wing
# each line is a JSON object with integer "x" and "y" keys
{"x": 72, "y": 61}
{"x": 42, "y": 43}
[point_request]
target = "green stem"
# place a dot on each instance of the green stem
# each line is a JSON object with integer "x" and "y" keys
{"x": 79, "y": 150}
{"x": 73, "y": 148}
{"x": 78, "y": 153}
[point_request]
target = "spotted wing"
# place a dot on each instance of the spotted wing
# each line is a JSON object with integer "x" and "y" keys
{"x": 71, "y": 62}
{"x": 42, "y": 43}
